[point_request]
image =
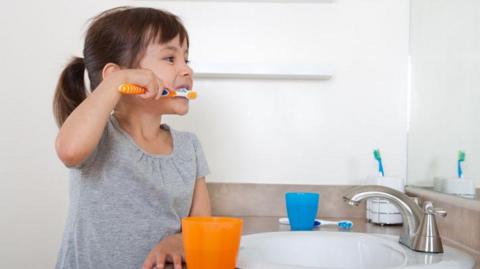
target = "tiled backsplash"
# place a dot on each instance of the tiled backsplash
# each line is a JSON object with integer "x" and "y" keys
{"x": 248, "y": 199}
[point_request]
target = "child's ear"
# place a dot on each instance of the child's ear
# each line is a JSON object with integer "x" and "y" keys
{"x": 108, "y": 69}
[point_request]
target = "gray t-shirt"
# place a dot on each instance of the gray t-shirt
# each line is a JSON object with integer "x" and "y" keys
{"x": 123, "y": 200}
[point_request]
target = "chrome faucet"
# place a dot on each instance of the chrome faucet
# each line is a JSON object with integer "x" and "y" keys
{"x": 420, "y": 229}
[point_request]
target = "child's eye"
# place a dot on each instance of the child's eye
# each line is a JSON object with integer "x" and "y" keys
{"x": 170, "y": 59}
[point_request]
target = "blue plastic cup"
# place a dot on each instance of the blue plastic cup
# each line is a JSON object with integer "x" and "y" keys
{"x": 301, "y": 209}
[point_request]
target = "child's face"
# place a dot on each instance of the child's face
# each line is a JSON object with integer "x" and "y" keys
{"x": 169, "y": 62}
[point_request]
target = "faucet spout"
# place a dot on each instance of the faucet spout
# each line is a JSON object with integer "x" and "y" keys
{"x": 410, "y": 211}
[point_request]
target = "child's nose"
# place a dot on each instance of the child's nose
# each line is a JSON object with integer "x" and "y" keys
{"x": 185, "y": 71}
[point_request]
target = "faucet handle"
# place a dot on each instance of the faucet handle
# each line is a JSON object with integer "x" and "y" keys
{"x": 427, "y": 238}
{"x": 429, "y": 209}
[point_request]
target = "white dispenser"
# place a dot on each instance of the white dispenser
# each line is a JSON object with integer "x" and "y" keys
{"x": 456, "y": 186}
{"x": 379, "y": 210}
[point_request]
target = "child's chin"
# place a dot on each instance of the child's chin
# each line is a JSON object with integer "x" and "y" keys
{"x": 180, "y": 110}
{"x": 182, "y": 113}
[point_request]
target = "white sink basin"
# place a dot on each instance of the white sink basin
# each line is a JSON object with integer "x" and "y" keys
{"x": 339, "y": 250}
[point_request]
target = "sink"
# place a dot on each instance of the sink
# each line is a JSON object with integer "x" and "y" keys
{"x": 339, "y": 250}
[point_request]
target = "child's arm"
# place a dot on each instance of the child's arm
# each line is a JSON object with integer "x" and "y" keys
{"x": 82, "y": 130}
{"x": 201, "y": 201}
{"x": 170, "y": 248}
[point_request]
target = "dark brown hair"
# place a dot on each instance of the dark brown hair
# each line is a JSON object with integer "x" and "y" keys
{"x": 119, "y": 35}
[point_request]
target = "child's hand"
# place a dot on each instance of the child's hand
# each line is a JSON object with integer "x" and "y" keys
{"x": 169, "y": 249}
{"x": 145, "y": 78}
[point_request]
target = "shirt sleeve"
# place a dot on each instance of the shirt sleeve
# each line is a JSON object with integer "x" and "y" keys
{"x": 93, "y": 155}
{"x": 201, "y": 161}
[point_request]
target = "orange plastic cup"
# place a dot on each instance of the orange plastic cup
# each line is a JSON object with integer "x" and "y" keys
{"x": 211, "y": 242}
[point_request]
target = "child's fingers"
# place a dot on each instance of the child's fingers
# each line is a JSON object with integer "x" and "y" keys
{"x": 149, "y": 261}
{"x": 177, "y": 261}
{"x": 160, "y": 260}
{"x": 151, "y": 82}
{"x": 159, "y": 94}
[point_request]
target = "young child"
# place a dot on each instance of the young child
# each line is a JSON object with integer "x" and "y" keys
{"x": 132, "y": 178}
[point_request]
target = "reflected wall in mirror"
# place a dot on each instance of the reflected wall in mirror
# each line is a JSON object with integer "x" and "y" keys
{"x": 445, "y": 91}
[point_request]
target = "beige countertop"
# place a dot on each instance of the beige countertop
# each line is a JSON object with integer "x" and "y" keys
{"x": 270, "y": 224}
{"x": 253, "y": 225}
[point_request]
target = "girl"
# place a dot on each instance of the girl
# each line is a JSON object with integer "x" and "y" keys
{"x": 132, "y": 179}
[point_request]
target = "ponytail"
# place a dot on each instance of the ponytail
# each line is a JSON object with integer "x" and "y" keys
{"x": 70, "y": 91}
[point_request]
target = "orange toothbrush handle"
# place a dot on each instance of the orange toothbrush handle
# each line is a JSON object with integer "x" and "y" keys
{"x": 128, "y": 88}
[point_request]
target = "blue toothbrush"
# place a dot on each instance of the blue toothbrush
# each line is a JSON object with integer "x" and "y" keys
{"x": 343, "y": 224}
{"x": 378, "y": 157}
{"x": 461, "y": 158}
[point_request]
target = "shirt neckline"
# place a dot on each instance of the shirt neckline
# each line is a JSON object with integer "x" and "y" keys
{"x": 132, "y": 141}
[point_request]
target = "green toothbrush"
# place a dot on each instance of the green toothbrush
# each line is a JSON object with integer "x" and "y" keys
{"x": 378, "y": 157}
{"x": 461, "y": 158}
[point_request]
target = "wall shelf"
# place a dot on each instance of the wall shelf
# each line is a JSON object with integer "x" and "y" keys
{"x": 261, "y": 71}
{"x": 252, "y": 1}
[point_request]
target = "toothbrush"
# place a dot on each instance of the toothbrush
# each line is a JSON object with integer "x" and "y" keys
{"x": 343, "y": 224}
{"x": 461, "y": 158}
{"x": 128, "y": 88}
{"x": 378, "y": 157}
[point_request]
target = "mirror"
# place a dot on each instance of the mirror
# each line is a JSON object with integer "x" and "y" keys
{"x": 445, "y": 94}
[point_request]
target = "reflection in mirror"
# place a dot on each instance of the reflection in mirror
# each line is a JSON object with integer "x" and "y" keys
{"x": 445, "y": 96}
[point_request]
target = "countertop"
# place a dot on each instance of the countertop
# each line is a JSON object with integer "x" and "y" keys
{"x": 253, "y": 225}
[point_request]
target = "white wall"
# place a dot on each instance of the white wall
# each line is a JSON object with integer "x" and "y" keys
{"x": 445, "y": 113}
{"x": 252, "y": 131}
{"x": 302, "y": 132}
